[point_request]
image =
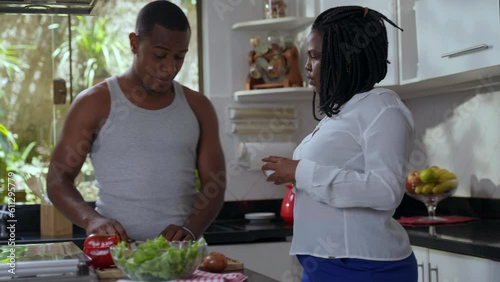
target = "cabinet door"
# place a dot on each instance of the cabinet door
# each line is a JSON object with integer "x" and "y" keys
{"x": 449, "y": 267}
{"x": 456, "y": 36}
{"x": 387, "y": 8}
{"x": 271, "y": 259}
{"x": 422, "y": 256}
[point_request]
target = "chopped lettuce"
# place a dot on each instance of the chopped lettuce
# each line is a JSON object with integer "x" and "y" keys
{"x": 158, "y": 259}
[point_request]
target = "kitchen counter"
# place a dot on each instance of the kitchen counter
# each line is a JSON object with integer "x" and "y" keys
{"x": 253, "y": 276}
{"x": 244, "y": 231}
{"x": 220, "y": 232}
{"x": 257, "y": 277}
{"x": 479, "y": 238}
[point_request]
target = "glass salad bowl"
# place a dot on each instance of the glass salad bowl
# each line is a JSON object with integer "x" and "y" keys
{"x": 159, "y": 259}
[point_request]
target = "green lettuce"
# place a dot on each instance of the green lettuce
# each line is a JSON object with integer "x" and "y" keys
{"x": 158, "y": 259}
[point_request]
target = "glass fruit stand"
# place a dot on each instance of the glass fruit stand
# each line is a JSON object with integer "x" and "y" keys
{"x": 430, "y": 186}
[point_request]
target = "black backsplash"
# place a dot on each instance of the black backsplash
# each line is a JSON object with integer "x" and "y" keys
{"x": 473, "y": 207}
{"x": 238, "y": 209}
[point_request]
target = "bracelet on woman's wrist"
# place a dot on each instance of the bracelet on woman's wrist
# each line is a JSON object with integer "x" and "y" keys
{"x": 189, "y": 231}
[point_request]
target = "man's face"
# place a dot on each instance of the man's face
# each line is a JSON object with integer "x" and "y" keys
{"x": 313, "y": 47}
{"x": 159, "y": 57}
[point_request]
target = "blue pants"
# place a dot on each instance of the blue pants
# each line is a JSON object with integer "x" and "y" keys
{"x": 358, "y": 270}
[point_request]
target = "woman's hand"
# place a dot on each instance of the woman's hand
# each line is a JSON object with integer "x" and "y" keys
{"x": 106, "y": 226}
{"x": 284, "y": 169}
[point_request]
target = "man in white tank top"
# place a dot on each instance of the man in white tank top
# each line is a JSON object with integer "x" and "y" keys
{"x": 146, "y": 135}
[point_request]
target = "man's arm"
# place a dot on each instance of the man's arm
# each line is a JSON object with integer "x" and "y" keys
{"x": 211, "y": 169}
{"x": 67, "y": 159}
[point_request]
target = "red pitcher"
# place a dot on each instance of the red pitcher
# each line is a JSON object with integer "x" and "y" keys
{"x": 287, "y": 205}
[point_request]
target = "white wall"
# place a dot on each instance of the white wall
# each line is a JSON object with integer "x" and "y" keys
{"x": 461, "y": 132}
{"x": 225, "y": 68}
{"x": 457, "y": 131}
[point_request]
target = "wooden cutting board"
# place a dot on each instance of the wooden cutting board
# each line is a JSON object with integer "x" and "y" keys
{"x": 112, "y": 274}
{"x": 233, "y": 265}
{"x": 109, "y": 274}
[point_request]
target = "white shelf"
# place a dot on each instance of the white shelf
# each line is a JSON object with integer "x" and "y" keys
{"x": 288, "y": 23}
{"x": 274, "y": 94}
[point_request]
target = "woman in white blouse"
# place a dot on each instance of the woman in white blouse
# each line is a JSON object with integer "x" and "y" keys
{"x": 349, "y": 172}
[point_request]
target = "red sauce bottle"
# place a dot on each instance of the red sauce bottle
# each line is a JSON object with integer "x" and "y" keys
{"x": 287, "y": 205}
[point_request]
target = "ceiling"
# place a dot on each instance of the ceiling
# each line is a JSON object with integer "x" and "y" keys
{"x": 75, "y": 7}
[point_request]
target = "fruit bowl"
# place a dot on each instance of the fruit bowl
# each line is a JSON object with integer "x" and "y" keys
{"x": 430, "y": 186}
{"x": 159, "y": 259}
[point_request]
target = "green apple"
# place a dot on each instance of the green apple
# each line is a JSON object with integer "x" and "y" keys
{"x": 428, "y": 175}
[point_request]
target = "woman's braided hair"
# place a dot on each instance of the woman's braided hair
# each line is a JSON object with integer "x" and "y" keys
{"x": 354, "y": 54}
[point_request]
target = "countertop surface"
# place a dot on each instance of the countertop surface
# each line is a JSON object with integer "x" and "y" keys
{"x": 244, "y": 231}
{"x": 220, "y": 232}
{"x": 477, "y": 238}
{"x": 480, "y": 237}
{"x": 257, "y": 277}
{"x": 253, "y": 276}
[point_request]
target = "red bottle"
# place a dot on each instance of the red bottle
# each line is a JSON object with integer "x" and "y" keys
{"x": 287, "y": 205}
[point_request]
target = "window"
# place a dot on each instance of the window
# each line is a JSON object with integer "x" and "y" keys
{"x": 34, "y": 52}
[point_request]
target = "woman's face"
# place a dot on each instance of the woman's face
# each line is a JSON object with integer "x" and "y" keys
{"x": 313, "y": 48}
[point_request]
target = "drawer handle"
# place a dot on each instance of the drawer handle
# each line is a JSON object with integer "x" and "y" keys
{"x": 421, "y": 265}
{"x": 465, "y": 51}
{"x": 433, "y": 269}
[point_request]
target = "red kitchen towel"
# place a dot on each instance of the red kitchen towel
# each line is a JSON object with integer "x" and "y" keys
{"x": 203, "y": 276}
{"x": 422, "y": 220}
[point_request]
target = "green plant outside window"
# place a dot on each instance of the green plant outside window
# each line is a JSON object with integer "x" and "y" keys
{"x": 99, "y": 49}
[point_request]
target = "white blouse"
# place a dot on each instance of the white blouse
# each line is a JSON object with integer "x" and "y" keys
{"x": 350, "y": 179}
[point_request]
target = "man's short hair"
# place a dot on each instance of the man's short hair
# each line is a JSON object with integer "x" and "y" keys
{"x": 163, "y": 13}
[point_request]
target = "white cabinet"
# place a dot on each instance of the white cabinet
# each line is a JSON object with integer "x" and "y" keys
{"x": 389, "y": 9}
{"x": 448, "y": 267}
{"x": 422, "y": 256}
{"x": 439, "y": 266}
{"x": 271, "y": 259}
{"x": 456, "y": 36}
{"x": 447, "y": 46}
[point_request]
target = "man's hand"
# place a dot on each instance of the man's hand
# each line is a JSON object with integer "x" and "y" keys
{"x": 103, "y": 225}
{"x": 177, "y": 233}
{"x": 284, "y": 169}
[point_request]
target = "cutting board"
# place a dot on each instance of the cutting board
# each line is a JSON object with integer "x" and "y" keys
{"x": 233, "y": 265}
{"x": 112, "y": 274}
{"x": 109, "y": 274}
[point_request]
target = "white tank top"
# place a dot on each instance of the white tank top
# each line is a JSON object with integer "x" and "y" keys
{"x": 144, "y": 162}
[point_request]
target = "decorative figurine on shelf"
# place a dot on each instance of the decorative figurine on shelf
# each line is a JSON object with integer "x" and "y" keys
{"x": 273, "y": 65}
{"x": 274, "y": 9}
